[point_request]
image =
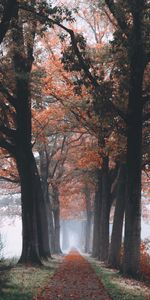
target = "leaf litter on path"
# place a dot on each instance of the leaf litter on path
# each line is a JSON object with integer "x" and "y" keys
{"x": 75, "y": 279}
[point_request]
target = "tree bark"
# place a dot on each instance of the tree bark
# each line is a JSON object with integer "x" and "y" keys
{"x": 56, "y": 214}
{"x": 35, "y": 227}
{"x": 137, "y": 58}
{"x": 57, "y": 230}
{"x": 88, "y": 220}
{"x": 97, "y": 209}
{"x": 34, "y": 221}
{"x": 116, "y": 237}
{"x": 30, "y": 246}
{"x": 132, "y": 239}
{"x": 44, "y": 172}
{"x": 105, "y": 211}
{"x": 51, "y": 229}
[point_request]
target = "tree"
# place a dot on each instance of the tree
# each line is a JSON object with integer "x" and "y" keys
{"x": 16, "y": 127}
{"x": 130, "y": 19}
{"x": 16, "y": 139}
{"x": 89, "y": 213}
{"x": 116, "y": 237}
{"x": 138, "y": 56}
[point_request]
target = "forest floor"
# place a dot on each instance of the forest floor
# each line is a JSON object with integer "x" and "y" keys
{"x": 72, "y": 277}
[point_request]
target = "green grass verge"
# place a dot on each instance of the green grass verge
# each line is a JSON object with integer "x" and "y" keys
{"x": 23, "y": 283}
{"x": 120, "y": 288}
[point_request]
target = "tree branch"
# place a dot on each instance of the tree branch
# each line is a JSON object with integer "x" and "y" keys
{"x": 123, "y": 115}
{"x": 7, "y": 146}
{"x": 8, "y": 131}
{"x": 74, "y": 42}
{"x": 118, "y": 14}
{"x": 9, "y": 179}
{"x": 8, "y": 96}
{"x": 41, "y": 17}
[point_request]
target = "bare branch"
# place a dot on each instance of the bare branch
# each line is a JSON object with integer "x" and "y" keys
{"x": 17, "y": 181}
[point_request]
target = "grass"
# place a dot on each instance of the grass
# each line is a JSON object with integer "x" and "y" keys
{"x": 120, "y": 288}
{"x": 23, "y": 283}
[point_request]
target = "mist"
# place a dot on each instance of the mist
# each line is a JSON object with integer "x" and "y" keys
{"x": 72, "y": 235}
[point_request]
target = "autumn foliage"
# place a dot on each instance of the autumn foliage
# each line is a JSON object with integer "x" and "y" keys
{"x": 145, "y": 260}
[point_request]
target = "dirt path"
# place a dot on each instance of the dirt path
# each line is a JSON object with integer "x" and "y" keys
{"x": 75, "y": 279}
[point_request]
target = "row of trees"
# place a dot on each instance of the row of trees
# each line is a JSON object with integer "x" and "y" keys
{"x": 91, "y": 98}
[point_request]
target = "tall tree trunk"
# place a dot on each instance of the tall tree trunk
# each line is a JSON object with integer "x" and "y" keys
{"x": 133, "y": 205}
{"x": 43, "y": 224}
{"x": 97, "y": 209}
{"x": 105, "y": 211}
{"x": 57, "y": 230}
{"x": 88, "y": 220}
{"x": 44, "y": 172}
{"x": 35, "y": 228}
{"x": 137, "y": 58}
{"x": 116, "y": 237}
{"x": 30, "y": 247}
{"x": 134, "y": 150}
{"x": 82, "y": 236}
{"x": 56, "y": 214}
{"x": 35, "y": 239}
{"x": 88, "y": 232}
{"x": 51, "y": 229}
